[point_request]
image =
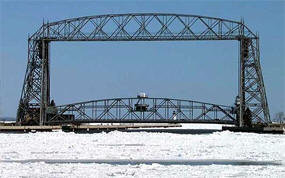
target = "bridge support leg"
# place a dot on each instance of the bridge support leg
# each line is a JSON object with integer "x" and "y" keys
{"x": 45, "y": 82}
{"x": 241, "y": 82}
{"x": 253, "y": 103}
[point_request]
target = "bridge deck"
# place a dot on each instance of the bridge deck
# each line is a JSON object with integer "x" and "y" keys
{"x": 26, "y": 129}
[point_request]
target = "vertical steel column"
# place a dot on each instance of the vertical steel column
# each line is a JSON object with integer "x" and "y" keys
{"x": 241, "y": 75}
{"x": 241, "y": 84}
{"x": 45, "y": 82}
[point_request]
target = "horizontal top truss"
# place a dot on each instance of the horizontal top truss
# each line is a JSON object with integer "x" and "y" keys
{"x": 143, "y": 27}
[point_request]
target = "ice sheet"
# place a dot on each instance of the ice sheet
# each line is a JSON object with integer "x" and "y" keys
{"x": 141, "y": 146}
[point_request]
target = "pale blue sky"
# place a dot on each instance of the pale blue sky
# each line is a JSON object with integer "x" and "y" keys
{"x": 203, "y": 71}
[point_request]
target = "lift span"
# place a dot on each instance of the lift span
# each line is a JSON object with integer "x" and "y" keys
{"x": 141, "y": 110}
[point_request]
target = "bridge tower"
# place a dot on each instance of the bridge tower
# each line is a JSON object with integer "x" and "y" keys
{"x": 35, "y": 97}
{"x": 252, "y": 93}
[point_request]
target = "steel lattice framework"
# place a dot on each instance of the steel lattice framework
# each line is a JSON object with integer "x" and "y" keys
{"x": 35, "y": 97}
{"x": 143, "y": 110}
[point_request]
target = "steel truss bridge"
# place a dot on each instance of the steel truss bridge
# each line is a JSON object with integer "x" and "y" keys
{"x": 141, "y": 109}
{"x": 35, "y": 105}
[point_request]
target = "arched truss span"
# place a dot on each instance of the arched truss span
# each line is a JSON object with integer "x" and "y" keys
{"x": 35, "y": 97}
{"x": 128, "y": 110}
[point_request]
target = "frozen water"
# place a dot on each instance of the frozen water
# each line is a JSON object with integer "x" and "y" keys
{"x": 69, "y": 150}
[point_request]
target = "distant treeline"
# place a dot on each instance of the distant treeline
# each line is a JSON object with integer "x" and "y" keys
{"x": 7, "y": 119}
{"x": 279, "y": 117}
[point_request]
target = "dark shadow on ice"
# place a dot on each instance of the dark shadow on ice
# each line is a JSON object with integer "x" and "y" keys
{"x": 177, "y": 131}
{"x": 201, "y": 162}
{"x": 165, "y": 130}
